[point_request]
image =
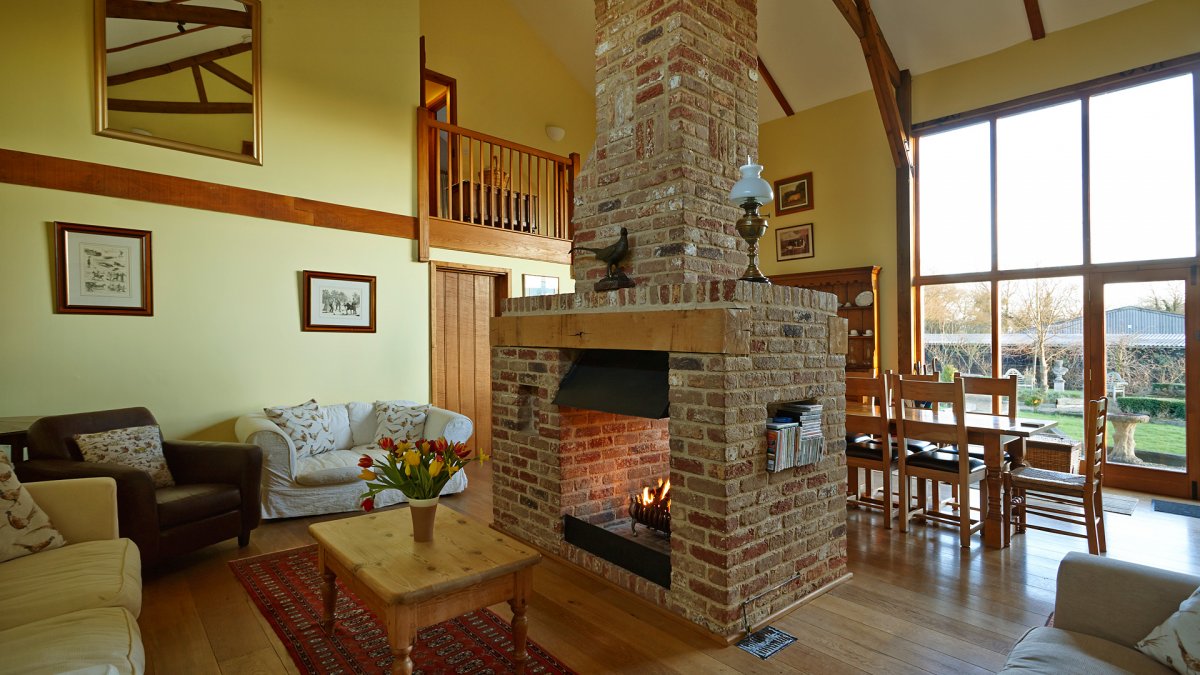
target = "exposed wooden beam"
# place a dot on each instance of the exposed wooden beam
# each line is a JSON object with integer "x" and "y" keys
{"x": 175, "y": 13}
{"x": 179, "y": 107}
{"x": 178, "y": 64}
{"x": 200, "y": 93}
{"x": 160, "y": 38}
{"x": 1034, "y": 11}
{"x": 229, "y": 76}
{"x": 774, "y": 87}
{"x": 885, "y": 76}
{"x": 850, "y": 11}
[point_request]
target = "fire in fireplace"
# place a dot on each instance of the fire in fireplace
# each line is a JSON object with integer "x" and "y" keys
{"x": 652, "y": 508}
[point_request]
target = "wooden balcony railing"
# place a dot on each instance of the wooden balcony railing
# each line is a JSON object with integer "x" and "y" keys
{"x": 481, "y": 193}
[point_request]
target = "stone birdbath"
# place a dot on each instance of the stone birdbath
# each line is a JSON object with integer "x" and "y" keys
{"x": 1123, "y": 445}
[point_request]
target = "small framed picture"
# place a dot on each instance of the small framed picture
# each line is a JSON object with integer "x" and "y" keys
{"x": 539, "y": 285}
{"x": 795, "y": 242}
{"x": 794, "y": 194}
{"x": 343, "y": 303}
{"x": 102, "y": 270}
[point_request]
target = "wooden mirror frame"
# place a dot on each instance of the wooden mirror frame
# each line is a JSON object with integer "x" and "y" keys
{"x": 101, "y": 92}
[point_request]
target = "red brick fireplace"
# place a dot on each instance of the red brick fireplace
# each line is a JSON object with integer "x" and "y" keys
{"x": 676, "y": 115}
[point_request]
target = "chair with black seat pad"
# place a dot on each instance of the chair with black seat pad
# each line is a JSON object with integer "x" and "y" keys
{"x": 1003, "y": 394}
{"x": 945, "y": 427}
{"x": 868, "y": 445}
{"x": 215, "y": 496}
{"x": 1056, "y": 489}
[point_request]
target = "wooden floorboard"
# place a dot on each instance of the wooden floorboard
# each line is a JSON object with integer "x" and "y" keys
{"x": 918, "y": 603}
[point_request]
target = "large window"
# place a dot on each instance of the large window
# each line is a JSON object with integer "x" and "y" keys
{"x": 1018, "y": 204}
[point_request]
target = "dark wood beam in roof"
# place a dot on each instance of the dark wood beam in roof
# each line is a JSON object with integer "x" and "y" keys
{"x": 1034, "y": 11}
{"x": 175, "y": 13}
{"x": 179, "y": 107}
{"x": 229, "y": 76}
{"x": 885, "y": 76}
{"x": 774, "y": 87}
{"x": 178, "y": 64}
{"x": 200, "y": 92}
{"x": 160, "y": 38}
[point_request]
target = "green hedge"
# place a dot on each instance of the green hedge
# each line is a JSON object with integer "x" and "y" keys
{"x": 1173, "y": 408}
{"x": 1168, "y": 389}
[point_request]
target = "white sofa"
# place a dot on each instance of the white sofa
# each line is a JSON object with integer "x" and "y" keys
{"x": 328, "y": 483}
{"x": 74, "y": 609}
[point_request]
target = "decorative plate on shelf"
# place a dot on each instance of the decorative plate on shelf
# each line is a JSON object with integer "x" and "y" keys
{"x": 864, "y": 299}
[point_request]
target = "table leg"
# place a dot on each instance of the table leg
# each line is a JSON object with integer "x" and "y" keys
{"x": 328, "y": 593}
{"x": 522, "y": 584}
{"x": 400, "y": 639}
{"x": 989, "y": 498}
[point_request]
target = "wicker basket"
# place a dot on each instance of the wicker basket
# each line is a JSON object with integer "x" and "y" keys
{"x": 1053, "y": 453}
{"x": 494, "y": 177}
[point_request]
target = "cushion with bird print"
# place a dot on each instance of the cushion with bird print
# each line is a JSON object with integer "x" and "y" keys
{"x": 25, "y": 528}
{"x": 135, "y": 447}
{"x": 306, "y": 425}
{"x": 1175, "y": 643}
{"x": 399, "y": 421}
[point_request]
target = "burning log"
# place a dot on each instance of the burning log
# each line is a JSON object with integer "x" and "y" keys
{"x": 652, "y": 508}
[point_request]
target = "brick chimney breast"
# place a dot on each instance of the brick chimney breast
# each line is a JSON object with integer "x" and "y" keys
{"x": 676, "y": 114}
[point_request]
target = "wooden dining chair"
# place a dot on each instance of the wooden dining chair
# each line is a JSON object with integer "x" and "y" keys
{"x": 869, "y": 447}
{"x": 944, "y": 427}
{"x": 1055, "y": 490}
{"x": 999, "y": 389}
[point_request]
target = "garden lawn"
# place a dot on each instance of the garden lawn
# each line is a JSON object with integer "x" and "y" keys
{"x": 1156, "y": 437}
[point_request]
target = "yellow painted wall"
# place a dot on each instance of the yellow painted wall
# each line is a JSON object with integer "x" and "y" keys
{"x": 225, "y": 337}
{"x": 843, "y": 144}
{"x": 504, "y": 72}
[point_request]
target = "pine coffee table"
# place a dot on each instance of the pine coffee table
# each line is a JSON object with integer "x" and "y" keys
{"x": 410, "y": 585}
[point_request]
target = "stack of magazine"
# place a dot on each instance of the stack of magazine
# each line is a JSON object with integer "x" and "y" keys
{"x": 794, "y": 436}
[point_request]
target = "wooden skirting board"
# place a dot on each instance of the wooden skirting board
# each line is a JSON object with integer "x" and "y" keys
{"x": 705, "y": 331}
{"x": 57, "y": 173}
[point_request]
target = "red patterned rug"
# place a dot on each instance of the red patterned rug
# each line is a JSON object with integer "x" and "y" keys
{"x": 286, "y": 587}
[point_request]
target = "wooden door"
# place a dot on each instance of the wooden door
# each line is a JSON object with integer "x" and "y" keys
{"x": 465, "y": 298}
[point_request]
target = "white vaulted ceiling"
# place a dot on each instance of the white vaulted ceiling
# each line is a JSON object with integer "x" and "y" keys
{"x": 814, "y": 56}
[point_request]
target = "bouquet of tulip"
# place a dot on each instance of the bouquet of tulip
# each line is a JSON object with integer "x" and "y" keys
{"x": 420, "y": 470}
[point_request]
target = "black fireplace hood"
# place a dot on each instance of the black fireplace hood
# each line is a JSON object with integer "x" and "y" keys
{"x": 625, "y": 382}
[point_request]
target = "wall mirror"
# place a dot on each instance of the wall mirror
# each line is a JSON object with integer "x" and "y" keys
{"x": 181, "y": 74}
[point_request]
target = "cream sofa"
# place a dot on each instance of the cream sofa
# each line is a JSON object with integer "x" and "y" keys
{"x": 74, "y": 609}
{"x": 1102, "y": 608}
{"x": 293, "y": 485}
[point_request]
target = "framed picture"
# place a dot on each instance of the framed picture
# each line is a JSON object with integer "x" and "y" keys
{"x": 795, "y": 242}
{"x": 794, "y": 194}
{"x": 343, "y": 303}
{"x": 102, "y": 270}
{"x": 539, "y": 285}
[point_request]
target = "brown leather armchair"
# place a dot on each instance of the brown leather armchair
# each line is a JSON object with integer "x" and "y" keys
{"x": 215, "y": 495}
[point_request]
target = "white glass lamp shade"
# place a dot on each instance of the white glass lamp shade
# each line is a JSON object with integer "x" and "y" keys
{"x": 751, "y": 186}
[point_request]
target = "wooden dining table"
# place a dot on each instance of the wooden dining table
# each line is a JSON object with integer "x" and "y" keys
{"x": 993, "y": 432}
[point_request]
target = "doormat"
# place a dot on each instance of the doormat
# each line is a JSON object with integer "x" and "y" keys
{"x": 766, "y": 643}
{"x": 286, "y": 588}
{"x": 1120, "y": 504}
{"x": 1177, "y": 508}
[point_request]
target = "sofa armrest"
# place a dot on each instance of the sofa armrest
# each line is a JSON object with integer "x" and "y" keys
{"x": 1115, "y": 600}
{"x": 82, "y": 509}
{"x": 279, "y": 452}
{"x": 453, "y": 426}
{"x": 137, "y": 508}
{"x": 239, "y": 464}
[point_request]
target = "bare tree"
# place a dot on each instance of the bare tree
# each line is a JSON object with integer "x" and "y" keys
{"x": 1169, "y": 299}
{"x": 963, "y": 310}
{"x": 1035, "y": 307}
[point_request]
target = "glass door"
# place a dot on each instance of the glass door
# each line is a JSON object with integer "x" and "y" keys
{"x": 1147, "y": 365}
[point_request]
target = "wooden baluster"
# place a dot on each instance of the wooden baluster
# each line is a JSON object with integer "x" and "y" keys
{"x": 472, "y": 185}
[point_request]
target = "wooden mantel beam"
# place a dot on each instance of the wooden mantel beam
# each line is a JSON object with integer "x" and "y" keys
{"x": 1034, "y": 11}
{"x": 885, "y": 76}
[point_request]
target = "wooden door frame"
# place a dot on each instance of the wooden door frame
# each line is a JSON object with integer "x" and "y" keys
{"x": 1144, "y": 479}
{"x": 502, "y": 283}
